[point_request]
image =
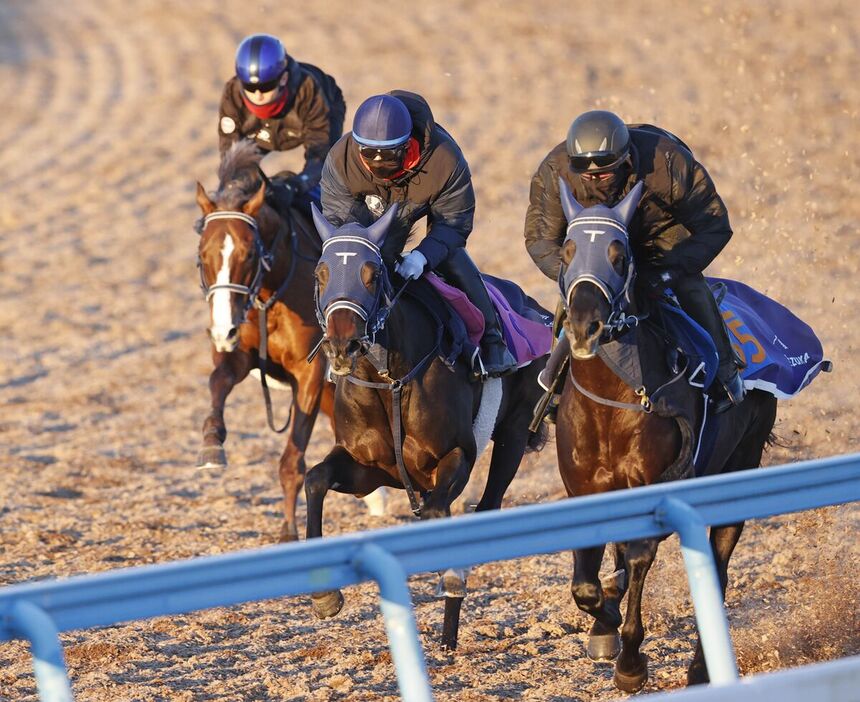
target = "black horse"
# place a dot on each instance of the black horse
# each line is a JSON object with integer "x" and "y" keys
{"x": 611, "y": 435}
{"x": 404, "y": 419}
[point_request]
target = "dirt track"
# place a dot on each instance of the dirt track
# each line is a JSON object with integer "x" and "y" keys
{"x": 109, "y": 119}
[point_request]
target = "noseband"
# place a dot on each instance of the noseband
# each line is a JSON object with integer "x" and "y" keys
{"x": 264, "y": 263}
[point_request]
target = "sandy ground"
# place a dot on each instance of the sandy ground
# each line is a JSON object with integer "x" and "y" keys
{"x": 110, "y": 117}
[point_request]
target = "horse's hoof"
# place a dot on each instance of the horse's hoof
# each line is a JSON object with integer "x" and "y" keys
{"x": 633, "y": 681}
{"x": 451, "y": 623}
{"x": 327, "y": 604}
{"x": 698, "y": 674}
{"x": 452, "y": 583}
{"x": 288, "y": 534}
{"x": 211, "y": 457}
{"x": 603, "y": 647}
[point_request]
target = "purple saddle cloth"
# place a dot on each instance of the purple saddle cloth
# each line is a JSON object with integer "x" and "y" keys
{"x": 527, "y": 326}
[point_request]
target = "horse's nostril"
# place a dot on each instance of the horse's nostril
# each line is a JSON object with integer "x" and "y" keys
{"x": 593, "y": 328}
{"x": 353, "y": 347}
{"x": 232, "y": 333}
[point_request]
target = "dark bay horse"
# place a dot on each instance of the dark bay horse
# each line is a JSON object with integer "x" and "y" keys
{"x": 248, "y": 255}
{"x": 604, "y": 446}
{"x": 403, "y": 417}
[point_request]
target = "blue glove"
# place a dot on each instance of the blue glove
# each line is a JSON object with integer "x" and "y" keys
{"x": 412, "y": 265}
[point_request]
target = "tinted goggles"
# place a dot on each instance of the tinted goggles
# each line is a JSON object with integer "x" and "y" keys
{"x": 371, "y": 153}
{"x": 599, "y": 161}
{"x": 262, "y": 87}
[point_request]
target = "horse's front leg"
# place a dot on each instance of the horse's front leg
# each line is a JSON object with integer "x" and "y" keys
{"x": 452, "y": 474}
{"x": 307, "y": 391}
{"x": 601, "y": 603}
{"x": 230, "y": 370}
{"x": 631, "y": 668}
{"x": 723, "y": 541}
{"x": 341, "y": 472}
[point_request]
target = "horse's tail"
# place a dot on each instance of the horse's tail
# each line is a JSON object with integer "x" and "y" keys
{"x": 537, "y": 439}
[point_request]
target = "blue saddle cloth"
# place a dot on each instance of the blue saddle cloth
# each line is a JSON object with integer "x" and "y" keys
{"x": 781, "y": 352}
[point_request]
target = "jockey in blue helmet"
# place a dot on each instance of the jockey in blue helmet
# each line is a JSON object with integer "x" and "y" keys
{"x": 281, "y": 104}
{"x": 397, "y": 153}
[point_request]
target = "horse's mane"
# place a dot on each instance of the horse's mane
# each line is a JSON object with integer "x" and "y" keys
{"x": 238, "y": 174}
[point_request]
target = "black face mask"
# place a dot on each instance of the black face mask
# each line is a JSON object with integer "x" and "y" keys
{"x": 385, "y": 169}
{"x": 604, "y": 191}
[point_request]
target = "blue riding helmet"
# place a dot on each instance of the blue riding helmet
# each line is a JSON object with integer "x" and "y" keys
{"x": 260, "y": 62}
{"x": 382, "y": 122}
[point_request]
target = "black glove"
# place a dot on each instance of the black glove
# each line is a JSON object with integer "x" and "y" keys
{"x": 299, "y": 183}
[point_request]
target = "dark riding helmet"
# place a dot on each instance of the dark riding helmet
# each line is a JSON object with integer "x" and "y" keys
{"x": 597, "y": 141}
{"x": 382, "y": 122}
{"x": 261, "y": 60}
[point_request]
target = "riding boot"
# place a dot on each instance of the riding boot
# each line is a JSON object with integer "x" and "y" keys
{"x": 697, "y": 300}
{"x": 459, "y": 270}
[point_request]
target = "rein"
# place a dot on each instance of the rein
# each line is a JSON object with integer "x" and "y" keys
{"x": 376, "y": 323}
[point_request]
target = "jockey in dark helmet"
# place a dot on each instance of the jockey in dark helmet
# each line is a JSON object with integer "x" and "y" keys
{"x": 679, "y": 228}
{"x": 397, "y": 153}
{"x": 282, "y": 104}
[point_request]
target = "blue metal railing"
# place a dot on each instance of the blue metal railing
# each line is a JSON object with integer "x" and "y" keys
{"x": 38, "y": 611}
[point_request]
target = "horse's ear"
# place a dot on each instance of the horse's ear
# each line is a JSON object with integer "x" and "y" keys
{"x": 376, "y": 232}
{"x": 325, "y": 228}
{"x": 252, "y": 207}
{"x": 628, "y": 205}
{"x": 568, "y": 202}
{"x": 206, "y": 205}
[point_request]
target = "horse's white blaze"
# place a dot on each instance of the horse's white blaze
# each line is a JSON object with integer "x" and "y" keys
{"x": 222, "y": 312}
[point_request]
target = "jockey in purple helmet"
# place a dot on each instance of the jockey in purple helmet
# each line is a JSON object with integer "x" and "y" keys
{"x": 281, "y": 104}
{"x": 396, "y": 152}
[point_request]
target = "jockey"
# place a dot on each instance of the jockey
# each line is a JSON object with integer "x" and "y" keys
{"x": 397, "y": 153}
{"x": 281, "y": 104}
{"x": 680, "y": 226}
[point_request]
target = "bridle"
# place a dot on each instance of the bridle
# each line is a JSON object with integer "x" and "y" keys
{"x": 618, "y": 321}
{"x": 264, "y": 263}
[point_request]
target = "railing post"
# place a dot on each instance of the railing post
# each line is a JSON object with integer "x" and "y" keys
{"x": 396, "y": 605}
{"x": 704, "y": 588}
{"x": 34, "y": 624}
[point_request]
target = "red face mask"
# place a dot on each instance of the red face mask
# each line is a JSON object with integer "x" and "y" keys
{"x": 270, "y": 110}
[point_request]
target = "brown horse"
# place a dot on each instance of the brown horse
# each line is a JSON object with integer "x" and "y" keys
{"x": 608, "y": 439}
{"x": 253, "y": 262}
{"x": 404, "y": 418}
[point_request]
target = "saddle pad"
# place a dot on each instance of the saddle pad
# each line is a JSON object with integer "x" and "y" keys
{"x": 527, "y": 326}
{"x": 782, "y": 353}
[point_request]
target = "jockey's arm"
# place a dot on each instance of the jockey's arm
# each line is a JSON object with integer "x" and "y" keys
{"x": 229, "y": 121}
{"x": 316, "y": 128}
{"x": 339, "y": 205}
{"x": 698, "y": 207}
{"x": 545, "y": 225}
{"x": 449, "y": 221}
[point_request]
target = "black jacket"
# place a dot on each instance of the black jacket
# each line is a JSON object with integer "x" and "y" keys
{"x": 681, "y": 222}
{"x": 312, "y": 116}
{"x": 438, "y": 186}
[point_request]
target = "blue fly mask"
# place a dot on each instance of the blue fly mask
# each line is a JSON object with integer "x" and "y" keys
{"x": 593, "y": 231}
{"x": 351, "y": 260}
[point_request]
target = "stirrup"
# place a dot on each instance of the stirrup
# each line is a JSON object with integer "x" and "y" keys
{"x": 733, "y": 393}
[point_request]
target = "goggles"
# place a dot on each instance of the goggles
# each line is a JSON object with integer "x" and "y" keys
{"x": 266, "y": 87}
{"x": 605, "y": 160}
{"x": 372, "y": 153}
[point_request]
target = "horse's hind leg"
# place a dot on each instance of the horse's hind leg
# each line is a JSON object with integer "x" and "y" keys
{"x": 230, "y": 369}
{"x": 509, "y": 445}
{"x": 723, "y": 541}
{"x": 631, "y": 668}
{"x": 341, "y": 472}
{"x": 590, "y": 597}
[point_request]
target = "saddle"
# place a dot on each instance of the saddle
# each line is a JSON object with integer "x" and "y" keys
{"x": 526, "y": 325}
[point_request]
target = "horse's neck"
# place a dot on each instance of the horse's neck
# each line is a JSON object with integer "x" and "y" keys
{"x": 409, "y": 335}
